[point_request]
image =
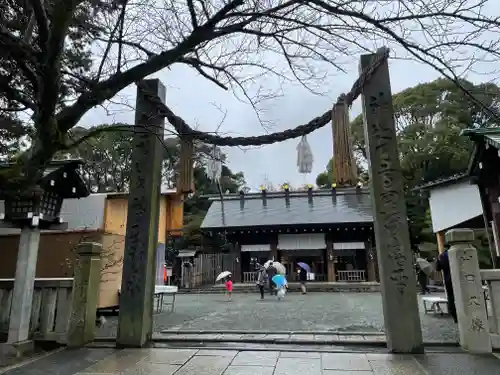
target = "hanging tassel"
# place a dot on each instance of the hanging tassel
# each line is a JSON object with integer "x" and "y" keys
{"x": 214, "y": 165}
{"x": 343, "y": 159}
{"x": 304, "y": 156}
{"x": 185, "y": 182}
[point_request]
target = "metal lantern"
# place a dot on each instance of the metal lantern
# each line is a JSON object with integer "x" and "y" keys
{"x": 46, "y": 205}
{"x": 41, "y": 206}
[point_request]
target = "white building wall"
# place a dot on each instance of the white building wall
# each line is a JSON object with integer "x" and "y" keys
{"x": 453, "y": 204}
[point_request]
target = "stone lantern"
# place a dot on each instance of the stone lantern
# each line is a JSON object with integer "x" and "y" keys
{"x": 40, "y": 208}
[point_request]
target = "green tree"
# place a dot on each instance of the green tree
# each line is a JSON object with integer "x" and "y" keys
{"x": 325, "y": 179}
{"x": 108, "y": 158}
{"x": 24, "y": 38}
{"x": 195, "y": 208}
{"x": 107, "y": 169}
{"x": 429, "y": 118}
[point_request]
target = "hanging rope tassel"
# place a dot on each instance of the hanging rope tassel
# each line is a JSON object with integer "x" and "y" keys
{"x": 345, "y": 170}
{"x": 304, "y": 156}
{"x": 185, "y": 183}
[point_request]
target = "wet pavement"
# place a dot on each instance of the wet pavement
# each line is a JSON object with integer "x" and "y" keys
{"x": 234, "y": 362}
{"x": 342, "y": 312}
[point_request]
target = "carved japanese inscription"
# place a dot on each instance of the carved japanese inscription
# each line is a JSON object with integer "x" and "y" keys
{"x": 142, "y": 223}
{"x": 390, "y": 216}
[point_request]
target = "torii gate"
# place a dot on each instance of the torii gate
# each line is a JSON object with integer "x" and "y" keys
{"x": 395, "y": 258}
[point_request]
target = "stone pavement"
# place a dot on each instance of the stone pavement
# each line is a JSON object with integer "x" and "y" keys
{"x": 348, "y": 312}
{"x": 279, "y": 338}
{"x": 233, "y": 362}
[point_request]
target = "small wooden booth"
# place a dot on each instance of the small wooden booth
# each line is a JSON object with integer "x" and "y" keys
{"x": 98, "y": 218}
{"x": 38, "y": 207}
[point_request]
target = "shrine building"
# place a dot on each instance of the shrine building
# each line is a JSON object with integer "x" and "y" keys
{"x": 331, "y": 230}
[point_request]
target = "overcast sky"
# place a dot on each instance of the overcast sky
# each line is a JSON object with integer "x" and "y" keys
{"x": 196, "y": 100}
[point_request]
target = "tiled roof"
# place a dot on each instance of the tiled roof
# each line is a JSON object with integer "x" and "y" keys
{"x": 481, "y": 137}
{"x": 442, "y": 181}
{"x": 489, "y": 135}
{"x": 349, "y": 206}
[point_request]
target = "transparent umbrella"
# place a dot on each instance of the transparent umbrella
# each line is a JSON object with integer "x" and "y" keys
{"x": 223, "y": 275}
{"x": 425, "y": 266}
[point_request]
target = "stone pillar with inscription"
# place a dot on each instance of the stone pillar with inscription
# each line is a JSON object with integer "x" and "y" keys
{"x": 394, "y": 254}
{"x": 86, "y": 283}
{"x": 135, "y": 321}
{"x": 467, "y": 287}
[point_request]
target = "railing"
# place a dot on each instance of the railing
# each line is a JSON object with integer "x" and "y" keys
{"x": 320, "y": 277}
{"x": 249, "y": 277}
{"x": 492, "y": 279}
{"x": 351, "y": 276}
{"x": 50, "y": 309}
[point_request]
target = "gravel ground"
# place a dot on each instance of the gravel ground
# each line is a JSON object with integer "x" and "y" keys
{"x": 352, "y": 312}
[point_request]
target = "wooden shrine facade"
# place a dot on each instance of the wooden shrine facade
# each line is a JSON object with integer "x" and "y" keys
{"x": 484, "y": 167}
{"x": 331, "y": 230}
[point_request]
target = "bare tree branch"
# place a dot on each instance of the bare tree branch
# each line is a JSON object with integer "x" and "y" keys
{"x": 238, "y": 45}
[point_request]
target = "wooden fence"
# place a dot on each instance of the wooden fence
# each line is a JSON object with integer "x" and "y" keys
{"x": 351, "y": 276}
{"x": 50, "y": 310}
{"x": 206, "y": 267}
{"x": 250, "y": 277}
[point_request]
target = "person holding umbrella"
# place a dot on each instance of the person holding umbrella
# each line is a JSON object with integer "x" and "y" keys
{"x": 229, "y": 287}
{"x": 226, "y": 275}
{"x": 271, "y": 272}
{"x": 303, "y": 270}
{"x": 261, "y": 280}
{"x": 424, "y": 269}
{"x": 281, "y": 285}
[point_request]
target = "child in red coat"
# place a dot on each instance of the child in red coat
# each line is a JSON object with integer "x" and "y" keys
{"x": 229, "y": 287}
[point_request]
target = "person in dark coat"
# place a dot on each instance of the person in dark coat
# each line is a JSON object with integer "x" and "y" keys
{"x": 261, "y": 280}
{"x": 443, "y": 264}
{"x": 303, "y": 279}
{"x": 423, "y": 280}
{"x": 271, "y": 271}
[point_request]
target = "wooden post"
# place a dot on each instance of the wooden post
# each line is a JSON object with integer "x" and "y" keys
{"x": 86, "y": 282}
{"x": 395, "y": 257}
{"x": 237, "y": 275}
{"x": 440, "y": 241}
{"x": 330, "y": 258}
{"x": 135, "y": 323}
{"x": 274, "y": 249}
{"x": 370, "y": 262}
